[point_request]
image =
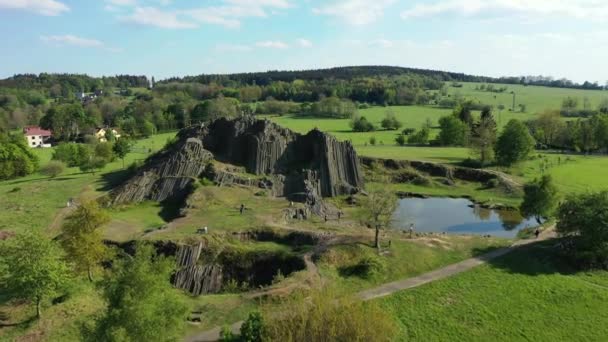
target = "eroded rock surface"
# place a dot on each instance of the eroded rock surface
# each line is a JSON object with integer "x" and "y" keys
{"x": 303, "y": 168}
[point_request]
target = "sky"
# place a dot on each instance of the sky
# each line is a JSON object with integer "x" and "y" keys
{"x": 165, "y": 38}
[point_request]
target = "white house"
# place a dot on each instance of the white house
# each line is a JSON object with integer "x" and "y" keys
{"x": 37, "y": 137}
{"x": 101, "y": 134}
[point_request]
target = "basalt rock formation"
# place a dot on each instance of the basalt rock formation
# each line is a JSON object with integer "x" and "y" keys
{"x": 302, "y": 168}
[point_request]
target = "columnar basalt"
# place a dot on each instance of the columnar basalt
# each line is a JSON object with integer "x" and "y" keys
{"x": 300, "y": 167}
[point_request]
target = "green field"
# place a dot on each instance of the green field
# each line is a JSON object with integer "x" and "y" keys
{"x": 34, "y": 201}
{"x": 536, "y": 99}
{"x": 523, "y": 296}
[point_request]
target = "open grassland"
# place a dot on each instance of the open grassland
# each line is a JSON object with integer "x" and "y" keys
{"x": 524, "y": 296}
{"x": 341, "y": 265}
{"x": 33, "y": 201}
{"x": 536, "y": 99}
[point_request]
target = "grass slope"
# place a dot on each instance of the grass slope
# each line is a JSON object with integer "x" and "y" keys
{"x": 522, "y": 296}
{"x": 33, "y": 201}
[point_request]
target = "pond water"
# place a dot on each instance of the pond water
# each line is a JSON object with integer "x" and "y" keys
{"x": 457, "y": 216}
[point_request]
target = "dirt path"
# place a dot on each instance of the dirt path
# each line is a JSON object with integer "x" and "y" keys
{"x": 404, "y": 284}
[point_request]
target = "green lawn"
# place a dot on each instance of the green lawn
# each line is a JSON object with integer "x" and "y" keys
{"x": 535, "y": 98}
{"x": 407, "y": 258}
{"x": 33, "y": 201}
{"x": 522, "y": 296}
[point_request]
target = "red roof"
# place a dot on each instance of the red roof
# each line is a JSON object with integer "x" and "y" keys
{"x": 35, "y": 130}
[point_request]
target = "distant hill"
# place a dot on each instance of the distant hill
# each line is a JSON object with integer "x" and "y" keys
{"x": 352, "y": 72}
{"x": 88, "y": 83}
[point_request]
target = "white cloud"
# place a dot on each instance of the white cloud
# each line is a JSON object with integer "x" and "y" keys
{"x": 385, "y": 43}
{"x": 151, "y": 16}
{"x": 272, "y": 44}
{"x": 579, "y": 9}
{"x": 355, "y": 12}
{"x": 228, "y": 13}
{"x": 261, "y": 3}
{"x": 69, "y": 39}
{"x": 305, "y": 43}
{"x": 233, "y": 48}
{"x": 122, "y": 2}
{"x": 43, "y": 7}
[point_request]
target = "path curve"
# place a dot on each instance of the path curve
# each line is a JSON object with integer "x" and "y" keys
{"x": 404, "y": 284}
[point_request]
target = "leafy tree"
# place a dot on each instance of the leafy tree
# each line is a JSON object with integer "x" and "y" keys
{"x": 583, "y": 220}
{"x": 82, "y": 239}
{"x": 33, "y": 268}
{"x": 603, "y": 106}
{"x": 514, "y": 144}
{"x": 421, "y": 137}
{"x": 570, "y": 103}
{"x": 453, "y": 131}
{"x": 334, "y": 107}
{"x": 72, "y": 154}
{"x": 547, "y": 127}
{"x": 222, "y": 107}
{"x": 53, "y": 169}
{"x": 121, "y": 148}
{"x": 540, "y": 199}
{"x": 484, "y": 138}
{"x": 360, "y": 124}
{"x": 372, "y": 141}
{"x": 377, "y": 211}
{"x": 104, "y": 151}
{"x": 93, "y": 164}
{"x": 400, "y": 140}
{"x": 16, "y": 158}
{"x": 463, "y": 112}
{"x": 390, "y": 122}
{"x": 148, "y": 129}
{"x": 142, "y": 305}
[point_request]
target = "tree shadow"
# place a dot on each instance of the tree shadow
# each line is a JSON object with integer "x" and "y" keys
{"x": 110, "y": 180}
{"x": 533, "y": 259}
{"x": 170, "y": 209}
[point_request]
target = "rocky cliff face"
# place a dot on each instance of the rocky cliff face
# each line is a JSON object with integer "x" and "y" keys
{"x": 166, "y": 175}
{"x": 300, "y": 167}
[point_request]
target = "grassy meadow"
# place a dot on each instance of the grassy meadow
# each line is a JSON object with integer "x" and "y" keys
{"x": 535, "y": 98}
{"x": 35, "y": 200}
{"x": 527, "y": 295}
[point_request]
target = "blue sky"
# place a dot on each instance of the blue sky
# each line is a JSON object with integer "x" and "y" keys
{"x": 163, "y": 38}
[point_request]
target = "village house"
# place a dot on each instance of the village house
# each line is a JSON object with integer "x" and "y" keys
{"x": 100, "y": 135}
{"x": 37, "y": 137}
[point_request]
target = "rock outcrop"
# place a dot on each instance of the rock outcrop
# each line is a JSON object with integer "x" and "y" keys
{"x": 168, "y": 174}
{"x": 300, "y": 167}
{"x": 192, "y": 277}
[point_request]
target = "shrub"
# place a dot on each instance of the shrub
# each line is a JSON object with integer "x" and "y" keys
{"x": 324, "y": 316}
{"x": 360, "y": 124}
{"x": 400, "y": 140}
{"x": 372, "y": 141}
{"x": 53, "y": 169}
{"x": 390, "y": 122}
{"x": 408, "y": 131}
{"x": 72, "y": 154}
{"x": 420, "y": 138}
{"x": 253, "y": 329}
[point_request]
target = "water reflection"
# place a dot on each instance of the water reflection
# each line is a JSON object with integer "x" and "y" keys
{"x": 458, "y": 216}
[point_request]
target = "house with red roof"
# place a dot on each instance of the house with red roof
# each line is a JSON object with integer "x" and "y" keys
{"x": 37, "y": 137}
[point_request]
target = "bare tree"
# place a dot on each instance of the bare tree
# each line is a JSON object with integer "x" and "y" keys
{"x": 378, "y": 210}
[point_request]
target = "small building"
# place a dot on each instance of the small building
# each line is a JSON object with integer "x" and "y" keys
{"x": 37, "y": 137}
{"x": 101, "y": 134}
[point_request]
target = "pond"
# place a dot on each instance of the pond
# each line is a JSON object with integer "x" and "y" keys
{"x": 457, "y": 216}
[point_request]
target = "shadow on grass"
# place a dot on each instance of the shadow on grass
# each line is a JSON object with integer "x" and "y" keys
{"x": 110, "y": 180}
{"x": 534, "y": 259}
{"x": 40, "y": 179}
